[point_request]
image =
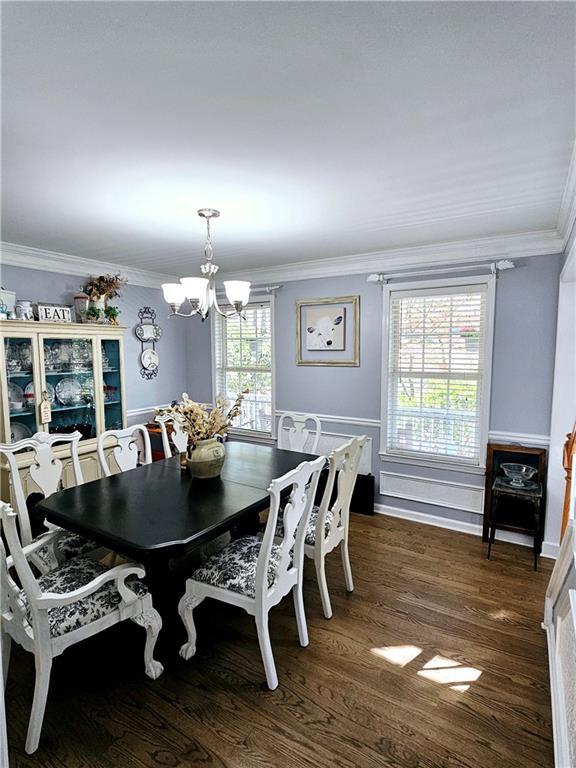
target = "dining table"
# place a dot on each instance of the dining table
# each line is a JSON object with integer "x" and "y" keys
{"x": 158, "y": 511}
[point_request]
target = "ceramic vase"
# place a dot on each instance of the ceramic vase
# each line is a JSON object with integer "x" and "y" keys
{"x": 206, "y": 458}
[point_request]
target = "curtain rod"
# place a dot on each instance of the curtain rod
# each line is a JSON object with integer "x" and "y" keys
{"x": 494, "y": 267}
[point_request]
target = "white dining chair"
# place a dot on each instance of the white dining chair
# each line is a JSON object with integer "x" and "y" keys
{"x": 177, "y": 435}
{"x": 75, "y": 601}
{"x": 46, "y": 472}
{"x": 255, "y": 573}
{"x": 132, "y": 448}
{"x": 294, "y": 435}
{"x": 329, "y": 523}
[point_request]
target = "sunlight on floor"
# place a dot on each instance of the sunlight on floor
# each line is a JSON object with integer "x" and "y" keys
{"x": 400, "y": 655}
{"x": 439, "y": 669}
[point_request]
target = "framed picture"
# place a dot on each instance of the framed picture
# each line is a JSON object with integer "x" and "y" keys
{"x": 328, "y": 331}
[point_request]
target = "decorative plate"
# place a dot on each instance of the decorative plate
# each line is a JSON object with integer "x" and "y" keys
{"x": 15, "y": 396}
{"x": 149, "y": 359}
{"x": 148, "y": 332}
{"x": 69, "y": 391}
{"x": 19, "y": 431}
{"x": 29, "y": 393}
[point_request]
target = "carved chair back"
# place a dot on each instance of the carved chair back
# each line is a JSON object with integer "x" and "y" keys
{"x": 45, "y": 471}
{"x": 131, "y": 450}
{"x": 293, "y": 434}
{"x": 343, "y": 470}
{"x": 177, "y": 435}
{"x": 300, "y": 484}
{"x": 13, "y": 604}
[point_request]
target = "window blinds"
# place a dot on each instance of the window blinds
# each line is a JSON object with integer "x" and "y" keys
{"x": 437, "y": 340}
{"x": 243, "y": 355}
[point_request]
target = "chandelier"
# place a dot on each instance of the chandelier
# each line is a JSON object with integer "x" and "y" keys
{"x": 201, "y": 291}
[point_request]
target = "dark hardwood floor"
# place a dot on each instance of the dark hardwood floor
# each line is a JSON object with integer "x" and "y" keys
{"x": 436, "y": 660}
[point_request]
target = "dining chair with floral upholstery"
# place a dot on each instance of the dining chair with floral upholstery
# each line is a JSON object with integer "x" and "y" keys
{"x": 255, "y": 573}
{"x": 76, "y": 600}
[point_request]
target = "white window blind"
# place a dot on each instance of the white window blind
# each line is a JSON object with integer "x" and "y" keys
{"x": 243, "y": 360}
{"x": 436, "y": 386}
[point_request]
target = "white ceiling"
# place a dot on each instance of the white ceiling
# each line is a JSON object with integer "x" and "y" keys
{"x": 319, "y": 129}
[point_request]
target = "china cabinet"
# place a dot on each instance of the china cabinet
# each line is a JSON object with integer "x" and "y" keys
{"x": 79, "y": 369}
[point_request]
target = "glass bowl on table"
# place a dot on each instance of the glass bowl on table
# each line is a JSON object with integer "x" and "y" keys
{"x": 518, "y": 474}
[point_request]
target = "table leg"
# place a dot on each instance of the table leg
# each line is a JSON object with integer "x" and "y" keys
{"x": 493, "y": 516}
{"x": 537, "y": 533}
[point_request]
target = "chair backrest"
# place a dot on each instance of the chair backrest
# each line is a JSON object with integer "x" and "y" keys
{"x": 45, "y": 471}
{"x": 132, "y": 447}
{"x": 301, "y": 484}
{"x": 343, "y": 470}
{"x": 178, "y": 436}
{"x": 293, "y": 434}
{"x": 12, "y": 605}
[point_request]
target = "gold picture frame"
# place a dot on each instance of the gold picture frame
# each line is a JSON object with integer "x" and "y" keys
{"x": 352, "y": 334}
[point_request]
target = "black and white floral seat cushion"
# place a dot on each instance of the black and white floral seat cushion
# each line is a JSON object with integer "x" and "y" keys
{"x": 311, "y": 527}
{"x": 72, "y": 575}
{"x": 69, "y": 545}
{"x": 234, "y": 567}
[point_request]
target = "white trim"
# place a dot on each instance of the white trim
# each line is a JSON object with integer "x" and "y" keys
{"x": 518, "y": 246}
{"x": 521, "y": 245}
{"x": 387, "y": 289}
{"x": 142, "y": 411}
{"x": 446, "y": 503}
{"x": 332, "y": 419}
{"x": 14, "y": 255}
{"x": 548, "y": 549}
{"x": 567, "y": 212}
{"x": 252, "y": 436}
{"x": 520, "y": 438}
{"x": 446, "y": 466}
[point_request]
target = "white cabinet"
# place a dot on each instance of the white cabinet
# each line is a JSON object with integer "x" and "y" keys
{"x": 80, "y": 367}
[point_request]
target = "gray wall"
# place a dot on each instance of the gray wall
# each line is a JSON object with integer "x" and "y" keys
{"x": 525, "y": 330}
{"x": 173, "y": 348}
{"x": 523, "y": 365}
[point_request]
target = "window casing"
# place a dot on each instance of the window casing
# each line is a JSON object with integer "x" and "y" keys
{"x": 242, "y": 354}
{"x": 437, "y": 370}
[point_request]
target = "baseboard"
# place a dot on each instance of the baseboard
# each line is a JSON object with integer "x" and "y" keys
{"x": 548, "y": 549}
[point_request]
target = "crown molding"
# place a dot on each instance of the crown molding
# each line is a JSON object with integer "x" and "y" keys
{"x": 14, "y": 255}
{"x": 522, "y": 245}
{"x": 539, "y": 243}
{"x": 567, "y": 213}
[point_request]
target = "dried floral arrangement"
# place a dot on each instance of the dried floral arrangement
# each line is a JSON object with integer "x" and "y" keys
{"x": 200, "y": 422}
{"x": 105, "y": 285}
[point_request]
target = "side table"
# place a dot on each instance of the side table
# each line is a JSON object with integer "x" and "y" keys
{"x": 531, "y": 494}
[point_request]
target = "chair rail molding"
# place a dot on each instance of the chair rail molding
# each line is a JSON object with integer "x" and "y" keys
{"x": 14, "y": 255}
{"x": 520, "y": 438}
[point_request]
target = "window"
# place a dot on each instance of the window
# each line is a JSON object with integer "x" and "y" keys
{"x": 437, "y": 377}
{"x": 243, "y": 360}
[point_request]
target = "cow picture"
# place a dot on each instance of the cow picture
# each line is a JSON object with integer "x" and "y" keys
{"x": 325, "y": 328}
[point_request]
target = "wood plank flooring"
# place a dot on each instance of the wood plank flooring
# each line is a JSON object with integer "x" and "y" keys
{"x": 384, "y": 683}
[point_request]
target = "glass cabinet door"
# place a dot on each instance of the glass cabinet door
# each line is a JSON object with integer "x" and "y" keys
{"x": 111, "y": 384}
{"x": 69, "y": 373}
{"x": 19, "y": 357}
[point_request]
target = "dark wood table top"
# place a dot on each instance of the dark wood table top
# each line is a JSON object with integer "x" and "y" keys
{"x": 160, "y": 510}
